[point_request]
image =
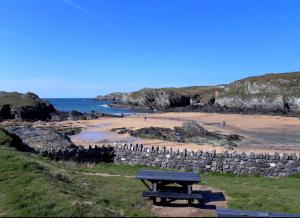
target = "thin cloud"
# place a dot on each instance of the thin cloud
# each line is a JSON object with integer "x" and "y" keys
{"x": 90, "y": 13}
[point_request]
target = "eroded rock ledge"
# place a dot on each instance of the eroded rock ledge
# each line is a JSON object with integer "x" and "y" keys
{"x": 190, "y": 131}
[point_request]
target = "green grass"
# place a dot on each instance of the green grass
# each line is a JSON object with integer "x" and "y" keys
{"x": 274, "y": 77}
{"x": 36, "y": 186}
{"x": 17, "y": 99}
{"x": 5, "y": 139}
{"x": 287, "y": 84}
{"x": 185, "y": 91}
{"x": 258, "y": 193}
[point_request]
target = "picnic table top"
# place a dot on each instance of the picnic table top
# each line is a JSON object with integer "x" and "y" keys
{"x": 155, "y": 175}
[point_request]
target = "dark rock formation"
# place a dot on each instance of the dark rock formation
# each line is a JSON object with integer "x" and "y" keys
{"x": 55, "y": 145}
{"x": 12, "y": 140}
{"x": 167, "y": 98}
{"x": 27, "y": 106}
{"x": 153, "y": 99}
{"x": 111, "y": 97}
{"x": 155, "y": 133}
{"x": 76, "y": 115}
{"x": 41, "y": 139}
{"x": 190, "y": 131}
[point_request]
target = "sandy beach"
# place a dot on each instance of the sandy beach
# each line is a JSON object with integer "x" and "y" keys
{"x": 262, "y": 133}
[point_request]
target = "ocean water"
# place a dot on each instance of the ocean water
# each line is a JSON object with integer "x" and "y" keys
{"x": 87, "y": 105}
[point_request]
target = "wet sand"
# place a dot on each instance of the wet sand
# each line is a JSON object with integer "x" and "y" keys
{"x": 262, "y": 133}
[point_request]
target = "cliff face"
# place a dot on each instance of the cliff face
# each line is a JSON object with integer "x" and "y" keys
{"x": 154, "y": 99}
{"x": 268, "y": 92}
{"x": 110, "y": 97}
{"x": 166, "y": 98}
{"x": 27, "y": 106}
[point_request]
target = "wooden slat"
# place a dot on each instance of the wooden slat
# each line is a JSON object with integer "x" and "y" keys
{"x": 173, "y": 195}
{"x": 168, "y": 176}
{"x": 246, "y": 213}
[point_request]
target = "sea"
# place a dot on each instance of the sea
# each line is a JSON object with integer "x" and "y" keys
{"x": 88, "y": 105}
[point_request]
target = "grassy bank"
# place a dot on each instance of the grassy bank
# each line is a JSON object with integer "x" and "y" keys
{"x": 35, "y": 186}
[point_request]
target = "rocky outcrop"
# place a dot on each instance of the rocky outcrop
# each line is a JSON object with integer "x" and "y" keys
{"x": 155, "y": 99}
{"x": 41, "y": 140}
{"x": 190, "y": 131}
{"x": 274, "y": 94}
{"x": 27, "y": 106}
{"x": 110, "y": 97}
{"x": 270, "y": 92}
{"x": 163, "y": 99}
{"x": 76, "y": 115}
{"x": 12, "y": 140}
{"x": 55, "y": 145}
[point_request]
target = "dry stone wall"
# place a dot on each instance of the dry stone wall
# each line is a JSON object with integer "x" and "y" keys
{"x": 236, "y": 163}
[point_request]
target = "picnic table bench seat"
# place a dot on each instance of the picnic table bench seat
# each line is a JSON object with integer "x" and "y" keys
{"x": 173, "y": 195}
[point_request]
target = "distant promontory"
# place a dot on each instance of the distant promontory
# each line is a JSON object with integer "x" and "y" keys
{"x": 266, "y": 94}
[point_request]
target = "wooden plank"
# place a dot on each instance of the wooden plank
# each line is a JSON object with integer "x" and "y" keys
{"x": 168, "y": 176}
{"x": 173, "y": 195}
{"x": 246, "y": 213}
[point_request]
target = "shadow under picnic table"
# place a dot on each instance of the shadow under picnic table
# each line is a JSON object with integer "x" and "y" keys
{"x": 208, "y": 197}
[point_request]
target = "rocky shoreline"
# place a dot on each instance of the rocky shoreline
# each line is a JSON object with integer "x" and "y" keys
{"x": 29, "y": 107}
{"x": 270, "y": 94}
{"x": 214, "y": 109}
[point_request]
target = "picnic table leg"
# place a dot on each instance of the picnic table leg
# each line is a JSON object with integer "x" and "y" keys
{"x": 154, "y": 189}
{"x": 146, "y": 185}
{"x": 189, "y": 191}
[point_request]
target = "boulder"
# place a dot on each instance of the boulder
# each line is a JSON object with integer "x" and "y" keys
{"x": 192, "y": 128}
{"x": 12, "y": 140}
{"x": 42, "y": 140}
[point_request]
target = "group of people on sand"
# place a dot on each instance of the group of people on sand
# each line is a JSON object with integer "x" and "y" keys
{"x": 144, "y": 117}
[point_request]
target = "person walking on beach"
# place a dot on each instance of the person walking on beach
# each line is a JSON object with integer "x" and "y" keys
{"x": 145, "y": 118}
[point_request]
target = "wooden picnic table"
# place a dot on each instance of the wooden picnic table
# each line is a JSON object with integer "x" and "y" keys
{"x": 170, "y": 185}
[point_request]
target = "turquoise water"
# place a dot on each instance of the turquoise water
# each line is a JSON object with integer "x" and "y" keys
{"x": 87, "y": 105}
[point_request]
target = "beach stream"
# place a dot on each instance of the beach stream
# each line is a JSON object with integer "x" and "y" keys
{"x": 96, "y": 134}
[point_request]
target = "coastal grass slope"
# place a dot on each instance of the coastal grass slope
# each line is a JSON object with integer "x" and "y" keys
{"x": 32, "y": 185}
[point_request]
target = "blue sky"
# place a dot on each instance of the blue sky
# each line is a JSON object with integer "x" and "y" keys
{"x": 81, "y": 48}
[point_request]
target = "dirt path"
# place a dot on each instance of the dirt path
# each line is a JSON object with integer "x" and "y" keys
{"x": 104, "y": 175}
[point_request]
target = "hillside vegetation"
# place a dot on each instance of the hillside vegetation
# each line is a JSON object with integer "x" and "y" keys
{"x": 16, "y": 99}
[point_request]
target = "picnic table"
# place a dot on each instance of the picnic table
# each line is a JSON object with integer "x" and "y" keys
{"x": 170, "y": 185}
